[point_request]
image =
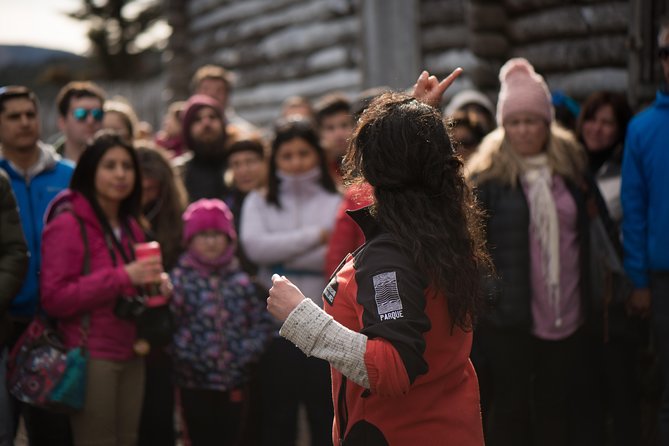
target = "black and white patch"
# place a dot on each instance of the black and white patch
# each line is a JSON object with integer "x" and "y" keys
{"x": 330, "y": 291}
{"x": 387, "y": 296}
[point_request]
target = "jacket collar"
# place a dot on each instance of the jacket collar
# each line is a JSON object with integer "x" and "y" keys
{"x": 46, "y": 161}
{"x": 367, "y": 223}
{"x": 662, "y": 98}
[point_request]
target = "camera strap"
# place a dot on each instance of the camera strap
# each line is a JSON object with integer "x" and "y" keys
{"x": 113, "y": 242}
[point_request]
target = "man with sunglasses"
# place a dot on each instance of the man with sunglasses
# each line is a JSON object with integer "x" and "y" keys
{"x": 80, "y": 116}
{"x": 37, "y": 175}
{"x": 645, "y": 201}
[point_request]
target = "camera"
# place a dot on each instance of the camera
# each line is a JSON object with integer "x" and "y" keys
{"x": 129, "y": 307}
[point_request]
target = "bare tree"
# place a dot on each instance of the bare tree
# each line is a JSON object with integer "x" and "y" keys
{"x": 114, "y": 28}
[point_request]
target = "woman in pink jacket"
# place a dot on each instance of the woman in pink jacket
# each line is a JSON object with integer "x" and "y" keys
{"x": 104, "y": 195}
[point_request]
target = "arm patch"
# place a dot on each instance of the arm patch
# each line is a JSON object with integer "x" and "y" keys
{"x": 387, "y": 296}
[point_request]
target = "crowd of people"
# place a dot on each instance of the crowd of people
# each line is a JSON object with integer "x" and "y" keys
{"x": 430, "y": 275}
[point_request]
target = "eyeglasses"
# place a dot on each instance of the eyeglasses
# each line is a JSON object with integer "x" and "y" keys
{"x": 663, "y": 52}
{"x": 80, "y": 114}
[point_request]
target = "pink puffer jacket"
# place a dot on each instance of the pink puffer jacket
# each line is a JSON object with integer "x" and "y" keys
{"x": 67, "y": 295}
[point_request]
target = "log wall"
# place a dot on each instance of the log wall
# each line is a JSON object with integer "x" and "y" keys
{"x": 280, "y": 48}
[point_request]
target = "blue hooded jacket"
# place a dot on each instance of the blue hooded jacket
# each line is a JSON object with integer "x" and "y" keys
{"x": 33, "y": 197}
{"x": 645, "y": 192}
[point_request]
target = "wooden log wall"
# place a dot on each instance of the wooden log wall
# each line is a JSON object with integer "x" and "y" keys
{"x": 579, "y": 46}
{"x": 280, "y": 48}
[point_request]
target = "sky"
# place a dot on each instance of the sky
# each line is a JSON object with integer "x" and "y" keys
{"x": 44, "y": 23}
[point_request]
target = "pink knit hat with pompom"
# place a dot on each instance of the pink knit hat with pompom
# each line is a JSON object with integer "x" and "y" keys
{"x": 522, "y": 90}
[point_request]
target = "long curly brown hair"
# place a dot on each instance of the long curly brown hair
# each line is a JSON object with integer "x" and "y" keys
{"x": 401, "y": 147}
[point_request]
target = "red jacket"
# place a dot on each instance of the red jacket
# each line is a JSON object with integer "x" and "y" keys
{"x": 347, "y": 236}
{"x": 67, "y": 295}
{"x": 423, "y": 388}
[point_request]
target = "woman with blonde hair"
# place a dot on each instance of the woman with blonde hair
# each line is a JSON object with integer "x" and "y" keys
{"x": 530, "y": 177}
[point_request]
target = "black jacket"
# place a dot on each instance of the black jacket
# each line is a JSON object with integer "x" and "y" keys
{"x": 202, "y": 178}
{"x": 507, "y": 225}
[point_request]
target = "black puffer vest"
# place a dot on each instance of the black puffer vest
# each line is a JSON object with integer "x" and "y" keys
{"x": 507, "y": 226}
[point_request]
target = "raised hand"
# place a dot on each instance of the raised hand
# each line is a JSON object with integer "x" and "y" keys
{"x": 428, "y": 89}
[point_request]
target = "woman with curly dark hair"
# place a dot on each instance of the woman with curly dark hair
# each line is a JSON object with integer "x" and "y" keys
{"x": 399, "y": 311}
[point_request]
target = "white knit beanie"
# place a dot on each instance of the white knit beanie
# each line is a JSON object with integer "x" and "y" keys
{"x": 522, "y": 90}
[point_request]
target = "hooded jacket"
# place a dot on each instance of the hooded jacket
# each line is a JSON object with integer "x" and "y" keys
{"x": 33, "y": 194}
{"x": 67, "y": 294}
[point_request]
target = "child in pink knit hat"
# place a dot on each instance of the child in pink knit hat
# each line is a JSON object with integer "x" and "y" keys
{"x": 210, "y": 220}
{"x": 221, "y": 325}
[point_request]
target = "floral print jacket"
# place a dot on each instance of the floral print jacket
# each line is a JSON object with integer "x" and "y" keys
{"x": 222, "y": 326}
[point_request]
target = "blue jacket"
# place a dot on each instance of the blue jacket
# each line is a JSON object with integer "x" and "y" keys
{"x": 33, "y": 197}
{"x": 645, "y": 192}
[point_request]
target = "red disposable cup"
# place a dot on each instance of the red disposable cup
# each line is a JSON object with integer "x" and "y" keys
{"x": 146, "y": 251}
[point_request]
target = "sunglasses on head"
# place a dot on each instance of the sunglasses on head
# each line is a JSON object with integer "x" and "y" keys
{"x": 663, "y": 52}
{"x": 80, "y": 114}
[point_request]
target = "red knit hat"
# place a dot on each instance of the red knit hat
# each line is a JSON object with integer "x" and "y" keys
{"x": 208, "y": 215}
{"x": 522, "y": 90}
{"x": 193, "y": 105}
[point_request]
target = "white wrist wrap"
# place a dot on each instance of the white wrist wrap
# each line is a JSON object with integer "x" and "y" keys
{"x": 317, "y": 334}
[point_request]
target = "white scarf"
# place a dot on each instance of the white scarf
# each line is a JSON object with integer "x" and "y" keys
{"x": 538, "y": 176}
